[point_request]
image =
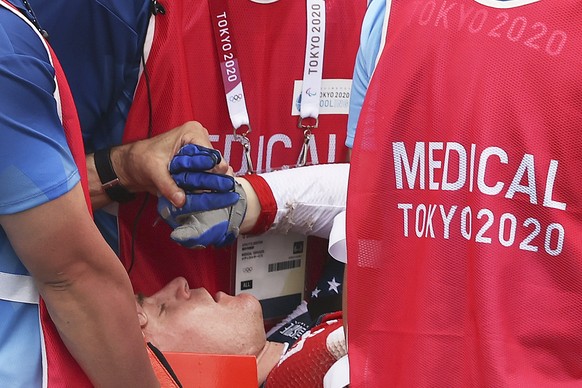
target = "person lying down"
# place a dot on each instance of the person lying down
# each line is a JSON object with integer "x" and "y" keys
{"x": 180, "y": 319}
{"x": 301, "y": 200}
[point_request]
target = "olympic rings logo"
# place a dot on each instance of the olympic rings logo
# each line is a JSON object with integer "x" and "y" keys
{"x": 235, "y": 97}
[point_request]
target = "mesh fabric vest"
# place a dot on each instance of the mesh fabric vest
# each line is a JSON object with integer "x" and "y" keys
{"x": 464, "y": 205}
{"x": 185, "y": 84}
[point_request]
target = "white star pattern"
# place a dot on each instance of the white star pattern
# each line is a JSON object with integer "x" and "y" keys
{"x": 315, "y": 293}
{"x": 333, "y": 285}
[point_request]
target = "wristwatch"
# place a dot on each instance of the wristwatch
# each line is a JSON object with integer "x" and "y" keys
{"x": 108, "y": 177}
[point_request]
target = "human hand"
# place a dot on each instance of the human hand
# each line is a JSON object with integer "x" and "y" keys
{"x": 143, "y": 165}
{"x": 215, "y": 203}
{"x": 204, "y": 191}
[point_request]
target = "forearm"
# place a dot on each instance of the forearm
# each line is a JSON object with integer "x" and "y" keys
{"x": 306, "y": 199}
{"x": 95, "y": 317}
{"x": 85, "y": 288}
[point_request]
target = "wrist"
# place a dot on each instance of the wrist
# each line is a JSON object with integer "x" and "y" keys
{"x": 121, "y": 162}
{"x": 253, "y": 206}
{"x": 267, "y": 205}
{"x": 111, "y": 182}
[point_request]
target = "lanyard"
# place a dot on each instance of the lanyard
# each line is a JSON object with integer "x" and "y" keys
{"x": 232, "y": 80}
{"x": 231, "y": 76}
{"x": 312, "y": 74}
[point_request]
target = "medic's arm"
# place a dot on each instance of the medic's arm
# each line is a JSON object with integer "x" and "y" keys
{"x": 85, "y": 287}
{"x": 142, "y": 166}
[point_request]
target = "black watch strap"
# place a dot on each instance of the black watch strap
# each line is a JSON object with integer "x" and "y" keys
{"x": 109, "y": 180}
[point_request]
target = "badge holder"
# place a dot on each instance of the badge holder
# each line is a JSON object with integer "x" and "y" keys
{"x": 307, "y": 135}
{"x": 312, "y": 74}
{"x": 246, "y": 144}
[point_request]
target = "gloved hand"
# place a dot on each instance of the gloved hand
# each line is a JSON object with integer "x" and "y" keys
{"x": 202, "y": 228}
{"x": 194, "y": 158}
{"x": 215, "y": 204}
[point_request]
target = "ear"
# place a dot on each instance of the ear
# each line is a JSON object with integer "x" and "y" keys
{"x": 141, "y": 315}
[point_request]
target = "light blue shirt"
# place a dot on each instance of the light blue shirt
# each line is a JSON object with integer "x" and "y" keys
{"x": 370, "y": 40}
{"x": 36, "y": 166}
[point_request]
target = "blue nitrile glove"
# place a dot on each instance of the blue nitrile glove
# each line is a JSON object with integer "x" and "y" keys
{"x": 200, "y": 229}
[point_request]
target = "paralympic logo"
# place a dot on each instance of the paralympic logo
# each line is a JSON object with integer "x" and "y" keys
{"x": 309, "y": 92}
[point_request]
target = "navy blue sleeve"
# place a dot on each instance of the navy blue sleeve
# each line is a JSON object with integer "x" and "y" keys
{"x": 99, "y": 45}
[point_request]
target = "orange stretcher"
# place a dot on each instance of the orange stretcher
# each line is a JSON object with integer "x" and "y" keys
{"x": 196, "y": 370}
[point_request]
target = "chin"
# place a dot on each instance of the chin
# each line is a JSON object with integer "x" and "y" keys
{"x": 253, "y": 305}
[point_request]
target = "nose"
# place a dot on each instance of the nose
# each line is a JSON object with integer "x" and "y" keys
{"x": 177, "y": 288}
{"x": 182, "y": 288}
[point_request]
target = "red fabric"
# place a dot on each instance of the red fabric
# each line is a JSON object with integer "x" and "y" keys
{"x": 186, "y": 85}
{"x": 308, "y": 360}
{"x": 267, "y": 202}
{"x": 72, "y": 127}
{"x": 465, "y": 269}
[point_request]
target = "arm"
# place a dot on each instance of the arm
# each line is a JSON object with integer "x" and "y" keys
{"x": 142, "y": 166}
{"x": 85, "y": 287}
{"x": 302, "y": 200}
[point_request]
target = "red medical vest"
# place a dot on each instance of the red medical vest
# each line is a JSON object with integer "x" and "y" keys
{"x": 185, "y": 84}
{"x": 464, "y": 204}
{"x": 62, "y": 369}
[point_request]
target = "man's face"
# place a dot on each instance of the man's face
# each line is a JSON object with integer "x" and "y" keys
{"x": 179, "y": 319}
